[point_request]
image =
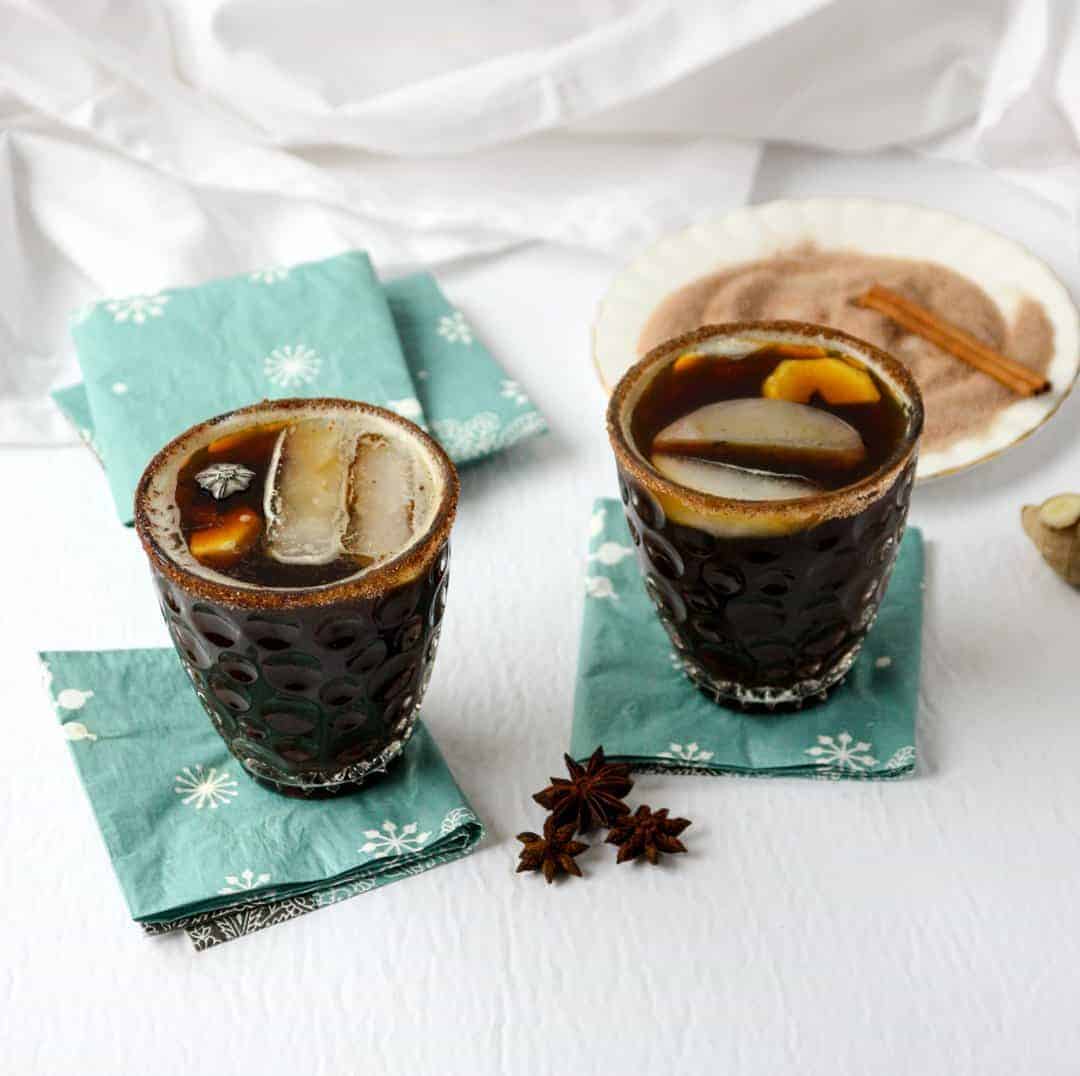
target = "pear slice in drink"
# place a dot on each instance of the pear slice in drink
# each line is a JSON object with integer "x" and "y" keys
{"x": 764, "y": 434}
{"x": 738, "y": 483}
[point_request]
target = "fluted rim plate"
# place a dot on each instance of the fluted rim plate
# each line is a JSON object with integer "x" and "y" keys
{"x": 1005, "y": 270}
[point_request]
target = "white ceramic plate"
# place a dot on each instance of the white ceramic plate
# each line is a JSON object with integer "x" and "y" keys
{"x": 1004, "y": 269}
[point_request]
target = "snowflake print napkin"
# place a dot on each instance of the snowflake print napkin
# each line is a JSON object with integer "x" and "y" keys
{"x": 197, "y": 845}
{"x": 633, "y": 698}
{"x": 470, "y": 404}
{"x": 155, "y": 364}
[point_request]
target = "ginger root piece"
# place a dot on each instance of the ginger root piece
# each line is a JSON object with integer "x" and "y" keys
{"x": 1060, "y": 511}
{"x": 836, "y": 381}
{"x": 1054, "y": 527}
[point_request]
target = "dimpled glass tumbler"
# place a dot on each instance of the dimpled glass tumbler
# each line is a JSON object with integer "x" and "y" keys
{"x": 312, "y": 688}
{"x": 766, "y": 601}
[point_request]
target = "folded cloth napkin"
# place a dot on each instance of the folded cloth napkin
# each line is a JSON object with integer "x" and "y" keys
{"x": 632, "y": 697}
{"x": 153, "y": 365}
{"x": 197, "y": 845}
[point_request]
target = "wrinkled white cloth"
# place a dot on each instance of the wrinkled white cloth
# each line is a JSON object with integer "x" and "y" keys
{"x": 148, "y": 144}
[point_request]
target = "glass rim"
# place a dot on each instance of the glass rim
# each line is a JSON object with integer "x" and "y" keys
{"x": 371, "y": 583}
{"x": 781, "y": 514}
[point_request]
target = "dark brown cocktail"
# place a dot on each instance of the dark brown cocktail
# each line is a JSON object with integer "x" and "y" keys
{"x": 766, "y": 470}
{"x": 300, "y": 549}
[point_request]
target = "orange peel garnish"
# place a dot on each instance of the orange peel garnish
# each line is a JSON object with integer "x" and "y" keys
{"x": 688, "y": 360}
{"x": 227, "y": 541}
{"x": 223, "y": 445}
{"x": 797, "y": 351}
{"x": 834, "y": 380}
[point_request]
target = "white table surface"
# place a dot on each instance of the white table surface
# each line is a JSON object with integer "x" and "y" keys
{"x": 925, "y": 926}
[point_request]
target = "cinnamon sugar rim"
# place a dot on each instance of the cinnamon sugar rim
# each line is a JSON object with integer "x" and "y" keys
{"x": 371, "y": 582}
{"x": 778, "y": 516}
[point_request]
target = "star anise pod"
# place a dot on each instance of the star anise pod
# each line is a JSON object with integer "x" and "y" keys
{"x": 553, "y": 853}
{"x": 222, "y": 480}
{"x": 647, "y": 833}
{"x": 593, "y": 795}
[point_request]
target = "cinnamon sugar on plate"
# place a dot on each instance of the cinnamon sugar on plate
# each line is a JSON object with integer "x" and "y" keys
{"x": 807, "y": 284}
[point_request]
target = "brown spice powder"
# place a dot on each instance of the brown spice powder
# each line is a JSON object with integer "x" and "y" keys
{"x": 806, "y": 284}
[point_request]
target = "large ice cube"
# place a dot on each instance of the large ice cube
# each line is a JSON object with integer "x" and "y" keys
{"x": 389, "y": 497}
{"x": 762, "y": 428}
{"x": 305, "y": 498}
{"x": 739, "y": 483}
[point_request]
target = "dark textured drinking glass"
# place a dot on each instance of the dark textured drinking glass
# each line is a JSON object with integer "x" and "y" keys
{"x": 766, "y": 602}
{"x": 311, "y": 688}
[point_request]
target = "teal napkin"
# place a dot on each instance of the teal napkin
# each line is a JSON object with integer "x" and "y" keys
{"x": 470, "y": 404}
{"x": 197, "y": 845}
{"x": 75, "y": 404}
{"x": 632, "y": 697}
{"x": 154, "y": 365}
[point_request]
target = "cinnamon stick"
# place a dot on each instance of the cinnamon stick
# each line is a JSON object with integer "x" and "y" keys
{"x": 953, "y": 340}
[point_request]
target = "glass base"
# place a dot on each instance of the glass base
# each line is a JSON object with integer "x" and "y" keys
{"x": 776, "y": 698}
{"x": 314, "y": 792}
{"x": 319, "y": 785}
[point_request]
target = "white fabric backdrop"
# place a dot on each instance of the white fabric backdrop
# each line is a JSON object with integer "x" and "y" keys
{"x": 152, "y": 144}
